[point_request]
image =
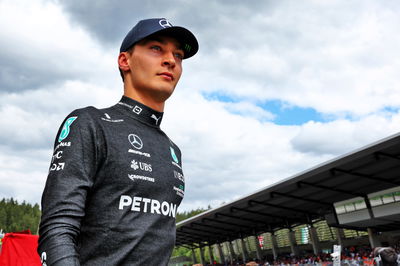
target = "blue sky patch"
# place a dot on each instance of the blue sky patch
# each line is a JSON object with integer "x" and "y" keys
{"x": 285, "y": 114}
{"x": 220, "y": 97}
{"x": 393, "y": 110}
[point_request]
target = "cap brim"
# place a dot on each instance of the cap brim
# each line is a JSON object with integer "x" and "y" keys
{"x": 187, "y": 39}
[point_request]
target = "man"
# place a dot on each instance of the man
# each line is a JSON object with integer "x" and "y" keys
{"x": 386, "y": 256}
{"x": 115, "y": 179}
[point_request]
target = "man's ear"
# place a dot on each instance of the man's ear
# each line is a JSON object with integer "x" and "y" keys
{"x": 123, "y": 61}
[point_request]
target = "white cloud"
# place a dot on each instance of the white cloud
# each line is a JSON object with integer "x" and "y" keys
{"x": 40, "y": 45}
{"x": 248, "y": 109}
{"x": 23, "y": 174}
{"x": 342, "y": 136}
{"x": 336, "y": 58}
{"x": 31, "y": 118}
{"x": 29, "y": 124}
{"x": 227, "y": 155}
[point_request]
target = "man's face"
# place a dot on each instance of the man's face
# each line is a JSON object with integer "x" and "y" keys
{"x": 156, "y": 66}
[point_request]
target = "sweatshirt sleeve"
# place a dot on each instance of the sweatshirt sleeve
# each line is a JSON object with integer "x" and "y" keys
{"x": 71, "y": 172}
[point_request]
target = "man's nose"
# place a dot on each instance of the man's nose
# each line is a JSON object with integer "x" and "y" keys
{"x": 169, "y": 59}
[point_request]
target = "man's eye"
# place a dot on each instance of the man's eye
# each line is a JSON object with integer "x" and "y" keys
{"x": 179, "y": 55}
{"x": 156, "y": 48}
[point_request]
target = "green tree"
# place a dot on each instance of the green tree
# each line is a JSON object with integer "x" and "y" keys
{"x": 182, "y": 251}
{"x": 16, "y": 216}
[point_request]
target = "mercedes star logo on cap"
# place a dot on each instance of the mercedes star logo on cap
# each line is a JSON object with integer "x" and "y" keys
{"x": 165, "y": 23}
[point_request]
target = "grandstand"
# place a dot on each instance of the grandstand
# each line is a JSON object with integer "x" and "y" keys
{"x": 351, "y": 200}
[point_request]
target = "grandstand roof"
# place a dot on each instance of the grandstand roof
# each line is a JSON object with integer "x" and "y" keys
{"x": 303, "y": 198}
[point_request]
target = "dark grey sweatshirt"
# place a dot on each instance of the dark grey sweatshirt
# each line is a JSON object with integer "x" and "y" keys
{"x": 114, "y": 185}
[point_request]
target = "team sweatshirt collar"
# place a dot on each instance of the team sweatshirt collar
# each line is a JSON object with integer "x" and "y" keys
{"x": 140, "y": 111}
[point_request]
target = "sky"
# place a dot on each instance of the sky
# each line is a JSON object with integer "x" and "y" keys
{"x": 276, "y": 88}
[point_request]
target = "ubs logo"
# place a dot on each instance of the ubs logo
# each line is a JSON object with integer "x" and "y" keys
{"x": 143, "y": 166}
{"x": 135, "y": 141}
{"x": 165, "y": 23}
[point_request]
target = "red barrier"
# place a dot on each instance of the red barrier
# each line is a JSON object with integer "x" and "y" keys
{"x": 19, "y": 250}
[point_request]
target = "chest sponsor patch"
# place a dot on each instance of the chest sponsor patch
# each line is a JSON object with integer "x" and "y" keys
{"x": 141, "y": 177}
{"x": 109, "y": 119}
{"x": 179, "y": 176}
{"x": 147, "y": 205}
{"x": 135, "y": 165}
{"x": 179, "y": 190}
{"x": 66, "y": 128}
{"x": 173, "y": 155}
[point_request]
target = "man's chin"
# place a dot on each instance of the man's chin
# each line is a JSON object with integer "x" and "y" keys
{"x": 163, "y": 94}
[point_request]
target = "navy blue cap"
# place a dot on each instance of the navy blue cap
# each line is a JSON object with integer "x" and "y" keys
{"x": 147, "y": 27}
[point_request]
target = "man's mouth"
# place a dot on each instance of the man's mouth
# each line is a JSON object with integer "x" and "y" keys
{"x": 166, "y": 75}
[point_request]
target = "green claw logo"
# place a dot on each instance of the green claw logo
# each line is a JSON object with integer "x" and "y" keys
{"x": 188, "y": 47}
{"x": 174, "y": 155}
{"x": 65, "y": 130}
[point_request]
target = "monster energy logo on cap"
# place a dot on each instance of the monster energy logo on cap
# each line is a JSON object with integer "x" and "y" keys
{"x": 187, "y": 47}
{"x": 65, "y": 130}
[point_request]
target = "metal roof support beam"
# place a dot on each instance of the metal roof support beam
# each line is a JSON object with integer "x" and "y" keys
{"x": 188, "y": 247}
{"x": 382, "y": 154}
{"x": 198, "y": 230}
{"x": 212, "y": 226}
{"x": 385, "y": 227}
{"x": 369, "y": 207}
{"x": 274, "y": 245}
{"x": 220, "y": 253}
{"x": 260, "y": 213}
{"x": 192, "y": 235}
{"x": 345, "y": 226}
{"x": 240, "y": 218}
{"x": 222, "y": 222}
{"x": 195, "y": 245}
{"x": 197, "y": 236}
{"x": 394, "y": 226}
{"x": 393, "y": 223}
{"x": 300, "y": 198}
{"x": 190, "y": 238}
{"x": 183, "y": 237}
{"x": 202, "y": 259}
{"x": 213, "y": 232}
{"x": 194, "y": 259}
{"x": 251, "y": 202}
{"x": 365, "y": 176}
{"x": 180, "y": 243}
{"x": 302, "y": 183}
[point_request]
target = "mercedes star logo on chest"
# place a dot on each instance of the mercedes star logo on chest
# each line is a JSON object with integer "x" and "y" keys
{"x": 135, "y": 141}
